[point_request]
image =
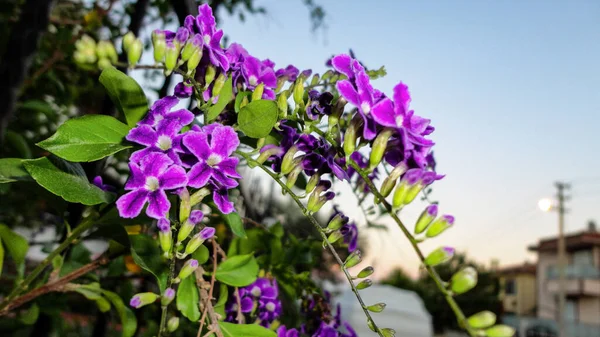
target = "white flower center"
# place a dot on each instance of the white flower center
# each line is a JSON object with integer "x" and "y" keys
{"x": 213, "y": 159}
{"x": 151, "y": 184}
{"x": 164, "y": 142}
{"x": 256, "y": 292}
{"x": 270, "y": 306}
{"x": 365, "y": 107}
{"x": 399, "y": 120}
{"x": 206, "y": 39}
{"x": 253, "y": 80}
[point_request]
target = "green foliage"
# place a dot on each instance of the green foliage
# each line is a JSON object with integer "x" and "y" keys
{"x": 188, "y": 299}
{"x": 238, "y": 271}
{"x": 15, "y": 244}
{"x": 245, "y": 330}
{"x": 257, "y": 119}
{"x": 71, "y": 187}
{"x": 147, "y": 255}
{"x": 87, "y": 138}
{"x": 128, "y": 320}
{"x": 126, "y": 94}
{"x": 225, "y": 97}
{"x": 11, "y": 170}
{"x": 201, "y": 254}
{"x": 234, "y": 221}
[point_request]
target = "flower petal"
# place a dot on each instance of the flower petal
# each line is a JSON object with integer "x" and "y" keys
{"x": 347, "y": 91}
{"x": 199, "y": 174}
{"x": 158, "y": 204}
{"x": 224, "y": 141}
{"x": 197, "y": 143}
{"x": 401, "y": 99}
{"x": 221, "y": 199}
{"x": 222, "y": 179}
{"x": 136, "y": 178}
{"x": 342, "y": 63}
{"x": 174, "y": 177}
{"x": 130, "y": 205}
{"x": 383, "y": 113}
{"x": 143, "y": 134}
{"x": 228, "y": 166}
{"x": 155, "y": 163}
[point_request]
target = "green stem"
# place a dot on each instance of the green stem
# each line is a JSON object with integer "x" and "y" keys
{"x": 23, "y": 286}
{"x": 316, "y": 224}
{"x": 432, "y": 273}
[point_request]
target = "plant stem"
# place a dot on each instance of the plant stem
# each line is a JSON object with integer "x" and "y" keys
{"x": 163, "y": 315}
{"x": 432, "y": 273}
{"x": 322, "y": 233}
{"x": 23, "y": 286}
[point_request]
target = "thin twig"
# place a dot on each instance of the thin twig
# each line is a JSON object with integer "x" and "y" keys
{"x": 239, "y": 317}
{"x": 208, "y": 308}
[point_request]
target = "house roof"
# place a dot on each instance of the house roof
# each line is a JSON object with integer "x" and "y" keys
{"x": 525, "y": 268}
{"x": 577, "y": 241}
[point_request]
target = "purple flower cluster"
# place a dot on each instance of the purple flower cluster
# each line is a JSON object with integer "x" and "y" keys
{"x": 171, "y": 160}
{"x": 260, "y": 299}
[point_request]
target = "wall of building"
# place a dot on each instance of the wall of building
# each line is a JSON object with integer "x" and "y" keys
{"x": 546, "y": 305}
{"x": 589, "y": 310}
{"x": 526, "y": 291}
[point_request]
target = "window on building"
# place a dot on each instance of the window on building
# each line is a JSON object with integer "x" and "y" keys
{"x": 583, "y": 258}
{"x": 510, "y": 287}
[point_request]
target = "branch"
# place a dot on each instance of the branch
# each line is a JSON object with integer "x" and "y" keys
{"x": 316, "y": 224}
{"x": 57, "y": 285}
{"x": 207, "y": 296}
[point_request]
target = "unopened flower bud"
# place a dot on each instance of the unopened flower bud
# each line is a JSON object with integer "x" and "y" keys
{"x": 106, "y": 50}
{"x": 440, "y": 225}
{"x": 482, "y": 320}
{"x": 267, "y": 151}
{"x": 371, "y": 325}
{"x": 398, "y": 170}
{"x": 219, "y": 83}
{"x": 387, "y": 186}
{"x": 337, "y": 222}
{"x": 167, "y": 297}
{"x": 387, "y": 332}
{"x": 142, "y": 299}
{"x": 405, "y": 192}
{"x": 334, "y": 237}
{"x": 439, "y": 256}
{"x": 209, "y": 76}
{"x": 181, "y": 37}
{"x": 426, "y": 218}
{"x": 258, "y": 92}
{"x": 159, "y": 44}
{"x": 400, "y": 194}
{"x": 188, "y": 225}
{"x": 464, "y": 280}
{"x": 134, "y": 54}
{"x": 316, "y": 201}
{"x": 173, "y": 324}
{"x": 128, "y": 41}
{"x": 500, "y": 330}
{"x": 165, "y": 237}
{"x": 292, "y": 177}
{"x": 198, "y": 239}
{"x": 171, "y": 56}
{"x": 288, "y": 163}
{"x": 194, "y": 61}
{"x": 353, "y": 259}
{"x": 282, "y": 105}
{"x": 379, "y": 146}
{"x": 188, "y": 268}
{"x": 315, "y": 79}
{"x": 350, "y": 137}
{"x": 376, "y": 307}
{"x": 193, "y": 45}
{"x": 312, "y": 183}
{"x": 299, "y": 93}
{"x": 366, "y": 272}
{"x": 197, "y": 197}
{"x": 364, "y": 284}
{"x": 104, "y": 63}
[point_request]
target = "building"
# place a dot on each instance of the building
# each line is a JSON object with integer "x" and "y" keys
{"x": 582, "y": 311}
{"x": 518, "y": 289}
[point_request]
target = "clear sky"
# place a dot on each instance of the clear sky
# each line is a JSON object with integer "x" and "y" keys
{"x": 512, "y": 87}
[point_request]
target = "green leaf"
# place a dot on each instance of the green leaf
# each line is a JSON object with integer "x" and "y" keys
{"x": 70, "y": 187}
{"x": 128, "y": 320}
{"x": 201, "y": 254}
{"x": 238, "y": 99}
{"x": 238, "y": 271}
{"x": 103, "y": 304}
{"x": 11, "y": 170}
{"x": 245, "y": 330}
{"x": 225, "y": 97}
{"x": 19, "y": 143}
{"x": 1, "y": 256}
{"x": 126, "y": 94}
{"x": 37, "y": 105}
{"x": 187, "y": 299}
{"x": 87, "y": 138}
{"x": 234, "y": 221}
{"x": 31, "y": 315}
{"x": 16, "y": 245}
{"x": 146, "y": 254}
{"x": 257, "y": 119}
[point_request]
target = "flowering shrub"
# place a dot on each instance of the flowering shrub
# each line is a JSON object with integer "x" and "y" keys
{"x": 306, "y": 132}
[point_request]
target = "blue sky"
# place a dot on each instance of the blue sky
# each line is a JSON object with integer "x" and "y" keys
{"x": 512, "y": 87}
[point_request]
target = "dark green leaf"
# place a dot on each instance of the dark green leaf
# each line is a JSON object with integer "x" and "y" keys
{"x": 187, "y": 298}
{"x": 234, "y": 222}
{"x": 11, "y": 170}
{"x": 15, "y": 244}
{"x": 201, "y": 254}
{"x": 70, "y": 187}
{"x": 128, "y": 320}
{"x": 87, "y": 138}
{"x": 257, "y": 119}
{"x": 245, "y": 330}
{"x": 126, "y": 94}
{"x": 19, "y": 143}
{"x": 238, "y": 99}
{"x": 30, "y": 316}
{"x": 1, "y": 256}
{"x": 238, "y": 271}
{"x": 225, "y": 97}
{"x": 146, "y": 254}
{"x": 37, "y": 105}
{"x": 103, "y": 304}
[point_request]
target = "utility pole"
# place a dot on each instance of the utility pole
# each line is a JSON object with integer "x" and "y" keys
{"x": 561, "y": 187}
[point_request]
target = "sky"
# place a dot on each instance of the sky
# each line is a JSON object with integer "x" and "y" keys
{"x": 512, "y": 87}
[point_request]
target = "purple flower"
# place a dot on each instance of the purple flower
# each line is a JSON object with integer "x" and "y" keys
{"x": 350, "y": 233}
{"x": 161, "y": 110}
{"x": 362, "y": 95}
{"x": 165, "y": 138}
{"x": 320, "y": 104}
{"x": 255, "y": 73}
{"x": 100, "y": 184}
{"x": 236, "y": 54}
{"x": 346, "y": 65}
{"x": 325, "y": 330}
{"x": 282, "y": 331}
{"x": 207, "y": 233}
{"x": 290, "y": 73}
{"x": 148, "y": 182}
{"x": 268, "y": 310}
{"x": 213, "y": 147}
{"x": 205, "y": 25}
{"x": 263, "y": 288}
{"x": 183, "y": 90}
